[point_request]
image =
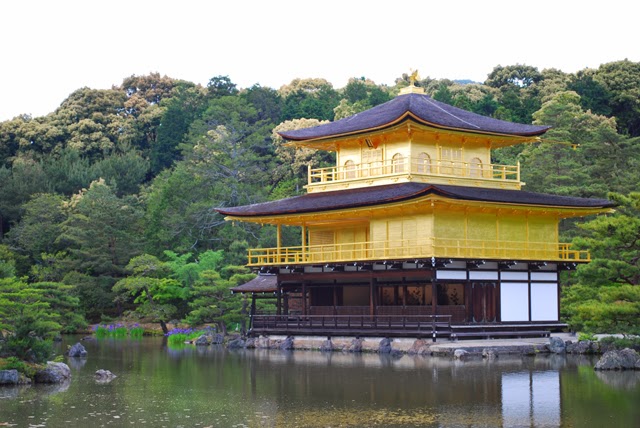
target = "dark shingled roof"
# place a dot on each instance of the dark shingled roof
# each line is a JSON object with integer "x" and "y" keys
{"x": 263, "y": 283}
{"x": 379, "y": 195}
{"x": 424, "y": 108}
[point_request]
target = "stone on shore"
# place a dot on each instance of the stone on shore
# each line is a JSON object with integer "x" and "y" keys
{"x": 385, "y": 346}
{"x": 557, "y": 345}
{"x": 625, "y": 359}
{"x": 327, "y": 346}
{"x": 9, "y": 377}
{"x": 460, "y": 354}
{"x": 583, "y": 347}
{"x": 287, "y": 344}
{"x": 355, "y": 345}
{"x": 77, "y": 351}
{"x": 489, "y": 353}
{"x": 419, "y": 347}
{"x": 203, "y": 340}
{"x": 236, "y": 343}
{"x": 53, "y": 373}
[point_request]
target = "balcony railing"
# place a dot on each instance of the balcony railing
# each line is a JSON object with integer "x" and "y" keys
{"x": 416, "y": 249}
{"x": 413, "y": 166}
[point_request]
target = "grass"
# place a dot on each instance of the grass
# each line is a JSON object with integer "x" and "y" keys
{"x": 118, "y": 331}
{"x": 178, "y": 336}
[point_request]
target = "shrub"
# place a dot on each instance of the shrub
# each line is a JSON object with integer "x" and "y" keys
{"x": 14, "y": 363}
{"x": 178, "y": 336}
{"x": 622, "y": 342}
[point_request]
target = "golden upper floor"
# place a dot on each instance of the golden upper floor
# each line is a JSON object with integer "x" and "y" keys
{"x": 414, "y": 138}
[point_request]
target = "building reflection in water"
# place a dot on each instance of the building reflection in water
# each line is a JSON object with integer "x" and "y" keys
{"x": 531, "y": 399}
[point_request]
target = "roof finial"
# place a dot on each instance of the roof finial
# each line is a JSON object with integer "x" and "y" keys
{"x": 412, "y": 88}
{"x": 413, "y": 77}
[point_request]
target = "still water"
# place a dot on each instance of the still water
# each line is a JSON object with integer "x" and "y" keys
{"x": 215, "y": 387}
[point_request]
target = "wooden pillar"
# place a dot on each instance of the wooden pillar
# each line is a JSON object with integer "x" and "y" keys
{"x": 304, "y": 298}
{"x": 404, "y": 294}
{"x": 372, "y": 306}
{"x": 278, "y": 300}
{"x": 252, "y": 312}
{"x": 335, "y": 298}
{"x": 434, "y": 292}
{"x": 279, "y": 243}
{"x": 376, "y": 296}
{"x": 285, "y": 299}
{"x": 304, "y": 243}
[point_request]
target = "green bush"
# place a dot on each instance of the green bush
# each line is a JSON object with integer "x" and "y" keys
{"x": 29, "y": 348}
{"x": 14, "y": 363}
{"x": 586, "y": 336}
{"x": 622, "y": 342}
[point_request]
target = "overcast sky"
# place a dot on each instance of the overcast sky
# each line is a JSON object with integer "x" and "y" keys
{"x": 51, "y": 48}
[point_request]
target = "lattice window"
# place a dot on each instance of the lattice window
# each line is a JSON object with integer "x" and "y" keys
{"x": 475, "y": 168}
{"x": 350, "y": 169}
{"x": 424, "y": 163}
{"x": 397, "y": 163}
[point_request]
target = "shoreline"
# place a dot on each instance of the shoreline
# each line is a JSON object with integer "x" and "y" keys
{"x": 410, "y": 346}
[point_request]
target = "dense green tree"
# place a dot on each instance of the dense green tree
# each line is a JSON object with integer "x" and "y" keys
{"x": 213, "y": 302}
{"x": 25, "y": 178}
{"x": 32, "y": 314}
{"x": 309, "y": 98}
{"x": 266, "y": 101}
{"x": 566, "y": 164}
{"x": 614, "y": 243}
{"x": 443, "y": 94}
{"x": 593, "y": 94}
{"x": 102, "y": 232}
{"x": 40, "y": 226}
{"x": 157, "y": 297}
{"x": 221, "y": 86}
{"x": 125, "y": 172}
{"x": 621, "y": 80}
{"x": 518, "y": 75}
{"x": 152, "y": 88}
{"x": 179, "y": 112}
{"x": 607, "y": 309}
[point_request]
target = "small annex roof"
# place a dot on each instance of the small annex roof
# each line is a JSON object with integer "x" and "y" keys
{"x": 379, "y": 195}
{"x": 263, "y": 283}
{"x": 421, "y": 108}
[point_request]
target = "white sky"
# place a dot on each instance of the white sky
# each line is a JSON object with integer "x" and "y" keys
{"x": 49, "y": 48}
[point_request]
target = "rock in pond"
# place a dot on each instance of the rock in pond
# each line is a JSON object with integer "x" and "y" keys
{"x": 104, "y": 376}
{"x": 53, "y": 373}
{"x": 625, "y": 359}
{"x": 77, "y": 351}
{"x": 9, "y": 377}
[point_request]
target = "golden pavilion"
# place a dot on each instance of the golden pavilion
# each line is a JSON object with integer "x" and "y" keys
{"x": 414, "y": 232}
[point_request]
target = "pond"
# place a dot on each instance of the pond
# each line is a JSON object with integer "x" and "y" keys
{"x": 214, "y": 387}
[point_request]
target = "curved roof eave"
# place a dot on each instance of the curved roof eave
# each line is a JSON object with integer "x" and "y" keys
{"x": 421, "y": 109}
{"x": 371, "y": 196}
